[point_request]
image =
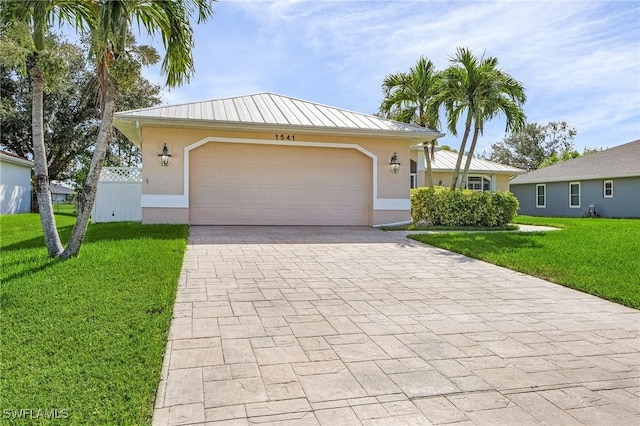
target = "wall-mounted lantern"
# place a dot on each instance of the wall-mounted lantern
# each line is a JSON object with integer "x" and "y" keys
{"x": 394, "y": 164}
{"x": 164, "y": 157}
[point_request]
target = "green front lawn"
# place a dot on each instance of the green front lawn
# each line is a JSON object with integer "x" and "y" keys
{"x": 86, "y": 336}
{"x": 597, "y": 256}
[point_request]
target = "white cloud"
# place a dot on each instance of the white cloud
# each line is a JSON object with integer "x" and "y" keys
{"x": 579, "y": 61}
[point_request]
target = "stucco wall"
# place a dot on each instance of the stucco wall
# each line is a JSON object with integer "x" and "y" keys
{"x": 15, "y": 188}
{"x": 169, "y": 181}
{"x": 625, "y": 201}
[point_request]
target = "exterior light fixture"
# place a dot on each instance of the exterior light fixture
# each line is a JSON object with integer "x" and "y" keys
{"x": 164, "y": 157}
{"x": 394, "y": 164}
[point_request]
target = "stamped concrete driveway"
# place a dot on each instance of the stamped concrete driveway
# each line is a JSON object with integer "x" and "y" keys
{"x": 341, "y": 326}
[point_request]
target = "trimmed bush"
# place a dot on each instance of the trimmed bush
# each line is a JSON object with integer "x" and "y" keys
{"x": 441, "y": 206}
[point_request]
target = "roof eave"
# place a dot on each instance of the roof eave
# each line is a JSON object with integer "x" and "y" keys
{"x": 128, "y": 125}
{"x": 529, "y": 181}
{"x": 16, "y": 160}
{"x": 488, "y": 172}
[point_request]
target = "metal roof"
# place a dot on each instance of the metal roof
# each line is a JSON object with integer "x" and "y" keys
{"x": 445, "y": 161}
{"x": 56, "y": 188}
{"x": 271, "y": 109}
{"x": 616, "y": 162}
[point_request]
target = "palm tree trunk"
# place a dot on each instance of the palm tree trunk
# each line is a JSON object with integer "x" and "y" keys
{"x": 456, "y": 172}
{"x": 87, "y": 196}
{"x": 43, "y": 193}
{"x": 428, "y": 155}
{"x": 472, "y": 149}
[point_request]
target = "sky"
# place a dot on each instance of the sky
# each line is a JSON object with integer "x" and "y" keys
{"x": 579, "y": 61}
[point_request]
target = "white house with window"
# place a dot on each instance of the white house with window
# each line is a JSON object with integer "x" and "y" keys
{"x": 606, "y": 181}
{"x": 484, "y": 175}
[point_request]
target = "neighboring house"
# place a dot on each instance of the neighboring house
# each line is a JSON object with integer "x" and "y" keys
{"x": 15, "y": 183}
{"x": 60, "y": 193}
{"x": 267, "y": 159}
{"x": 483, "y": 175}
{"x": 609, "y": 180}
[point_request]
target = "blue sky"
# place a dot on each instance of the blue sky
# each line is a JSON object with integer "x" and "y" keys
{"x": 579, "y": 61}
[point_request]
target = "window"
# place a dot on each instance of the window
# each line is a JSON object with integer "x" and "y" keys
{"x": 608, "y": 189}
{"x": 478, "y": 183}
{"x": 541, "y": 196}
{"x": 574, "y": 195}
{"x": 414, "y": 180}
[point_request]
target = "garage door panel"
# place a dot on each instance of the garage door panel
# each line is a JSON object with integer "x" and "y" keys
{"x": 276, "y": 185}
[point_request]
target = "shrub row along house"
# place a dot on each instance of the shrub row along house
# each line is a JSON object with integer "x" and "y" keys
{"x": 608, "y": 180}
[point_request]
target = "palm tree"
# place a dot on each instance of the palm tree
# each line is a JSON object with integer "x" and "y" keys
{"x": 408, "y": 97}
{"x": 479, "y": 88}
{"x": 109, "y": 40}
{"x": 39, "y": 15}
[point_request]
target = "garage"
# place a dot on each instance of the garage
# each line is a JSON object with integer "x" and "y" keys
{"x": 250, "y": 184}
{"x": 269, "y": 159}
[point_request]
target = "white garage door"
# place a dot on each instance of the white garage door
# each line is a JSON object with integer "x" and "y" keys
{"x": 245, "y": 184}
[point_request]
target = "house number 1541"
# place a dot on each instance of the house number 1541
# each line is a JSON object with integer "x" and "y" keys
{"x": 282, "y": 137}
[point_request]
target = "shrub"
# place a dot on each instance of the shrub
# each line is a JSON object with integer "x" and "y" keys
{"x": 445, "y": 207}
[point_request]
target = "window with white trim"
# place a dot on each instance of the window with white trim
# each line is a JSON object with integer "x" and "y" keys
{"x": 413, "y": 180}
{"x": 574, "y": 195}
{"x": 541, "y": 195}
{"x": 478, "y": 183}
{"x": 608, "y": 189}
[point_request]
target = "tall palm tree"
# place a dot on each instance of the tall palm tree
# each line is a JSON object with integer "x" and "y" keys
{"x": 408, "y": 97}
{"x": 109, "y": 37}
{"x": 476, "y": 86}
{"x": 39, "y": 15}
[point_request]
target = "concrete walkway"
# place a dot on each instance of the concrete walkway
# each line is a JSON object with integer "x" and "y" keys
{"x": 349, "y": 326}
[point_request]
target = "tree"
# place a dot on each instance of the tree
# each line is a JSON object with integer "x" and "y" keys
{"x": 535, "y": 145}
{"x": 71, "y": 113}
{"x": 408, "y": 97}
{"x": 476, "y": 86}
{"x": 38, "y": 15}
{"x": 114, "y": 63}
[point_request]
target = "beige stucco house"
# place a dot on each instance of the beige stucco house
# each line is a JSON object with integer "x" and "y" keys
{"x": 483, "y": 175}
{"x": 267, "y": 159}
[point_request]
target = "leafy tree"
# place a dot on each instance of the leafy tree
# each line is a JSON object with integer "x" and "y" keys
{"x": 71, "y": 114}
{"x": 408, "y": 97}
{"x": 535, "y": 145}
{"x": 34, "y": 17}
{"x": 476, "y": 86}
{"x": 115, "y": 63}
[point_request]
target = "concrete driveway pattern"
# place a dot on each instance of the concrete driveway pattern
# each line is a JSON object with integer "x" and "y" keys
{"x": 353, "y": 325}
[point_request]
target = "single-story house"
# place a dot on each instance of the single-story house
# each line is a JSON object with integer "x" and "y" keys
{"x": 267, "y": 159}
{"x": 484, "y": 175}
{"x": 60, "y": 193}
{"x": 609, "y": 180}
{"x": 15, "y": 183}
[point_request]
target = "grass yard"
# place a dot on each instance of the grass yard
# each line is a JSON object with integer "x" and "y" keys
{"x": 597, "y": 256}
{"x": 86, "y": 336}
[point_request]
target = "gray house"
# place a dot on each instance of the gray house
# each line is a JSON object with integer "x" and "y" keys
{"x": 609, "y": 180}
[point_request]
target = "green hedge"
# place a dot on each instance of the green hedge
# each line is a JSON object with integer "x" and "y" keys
{"x": 443, "y": 206}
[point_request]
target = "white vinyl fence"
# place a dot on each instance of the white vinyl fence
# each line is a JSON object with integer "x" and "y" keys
{"x": 118, "y": 196}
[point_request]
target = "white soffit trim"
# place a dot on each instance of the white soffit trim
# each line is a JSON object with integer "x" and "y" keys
{"x": 182, "y": 200}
